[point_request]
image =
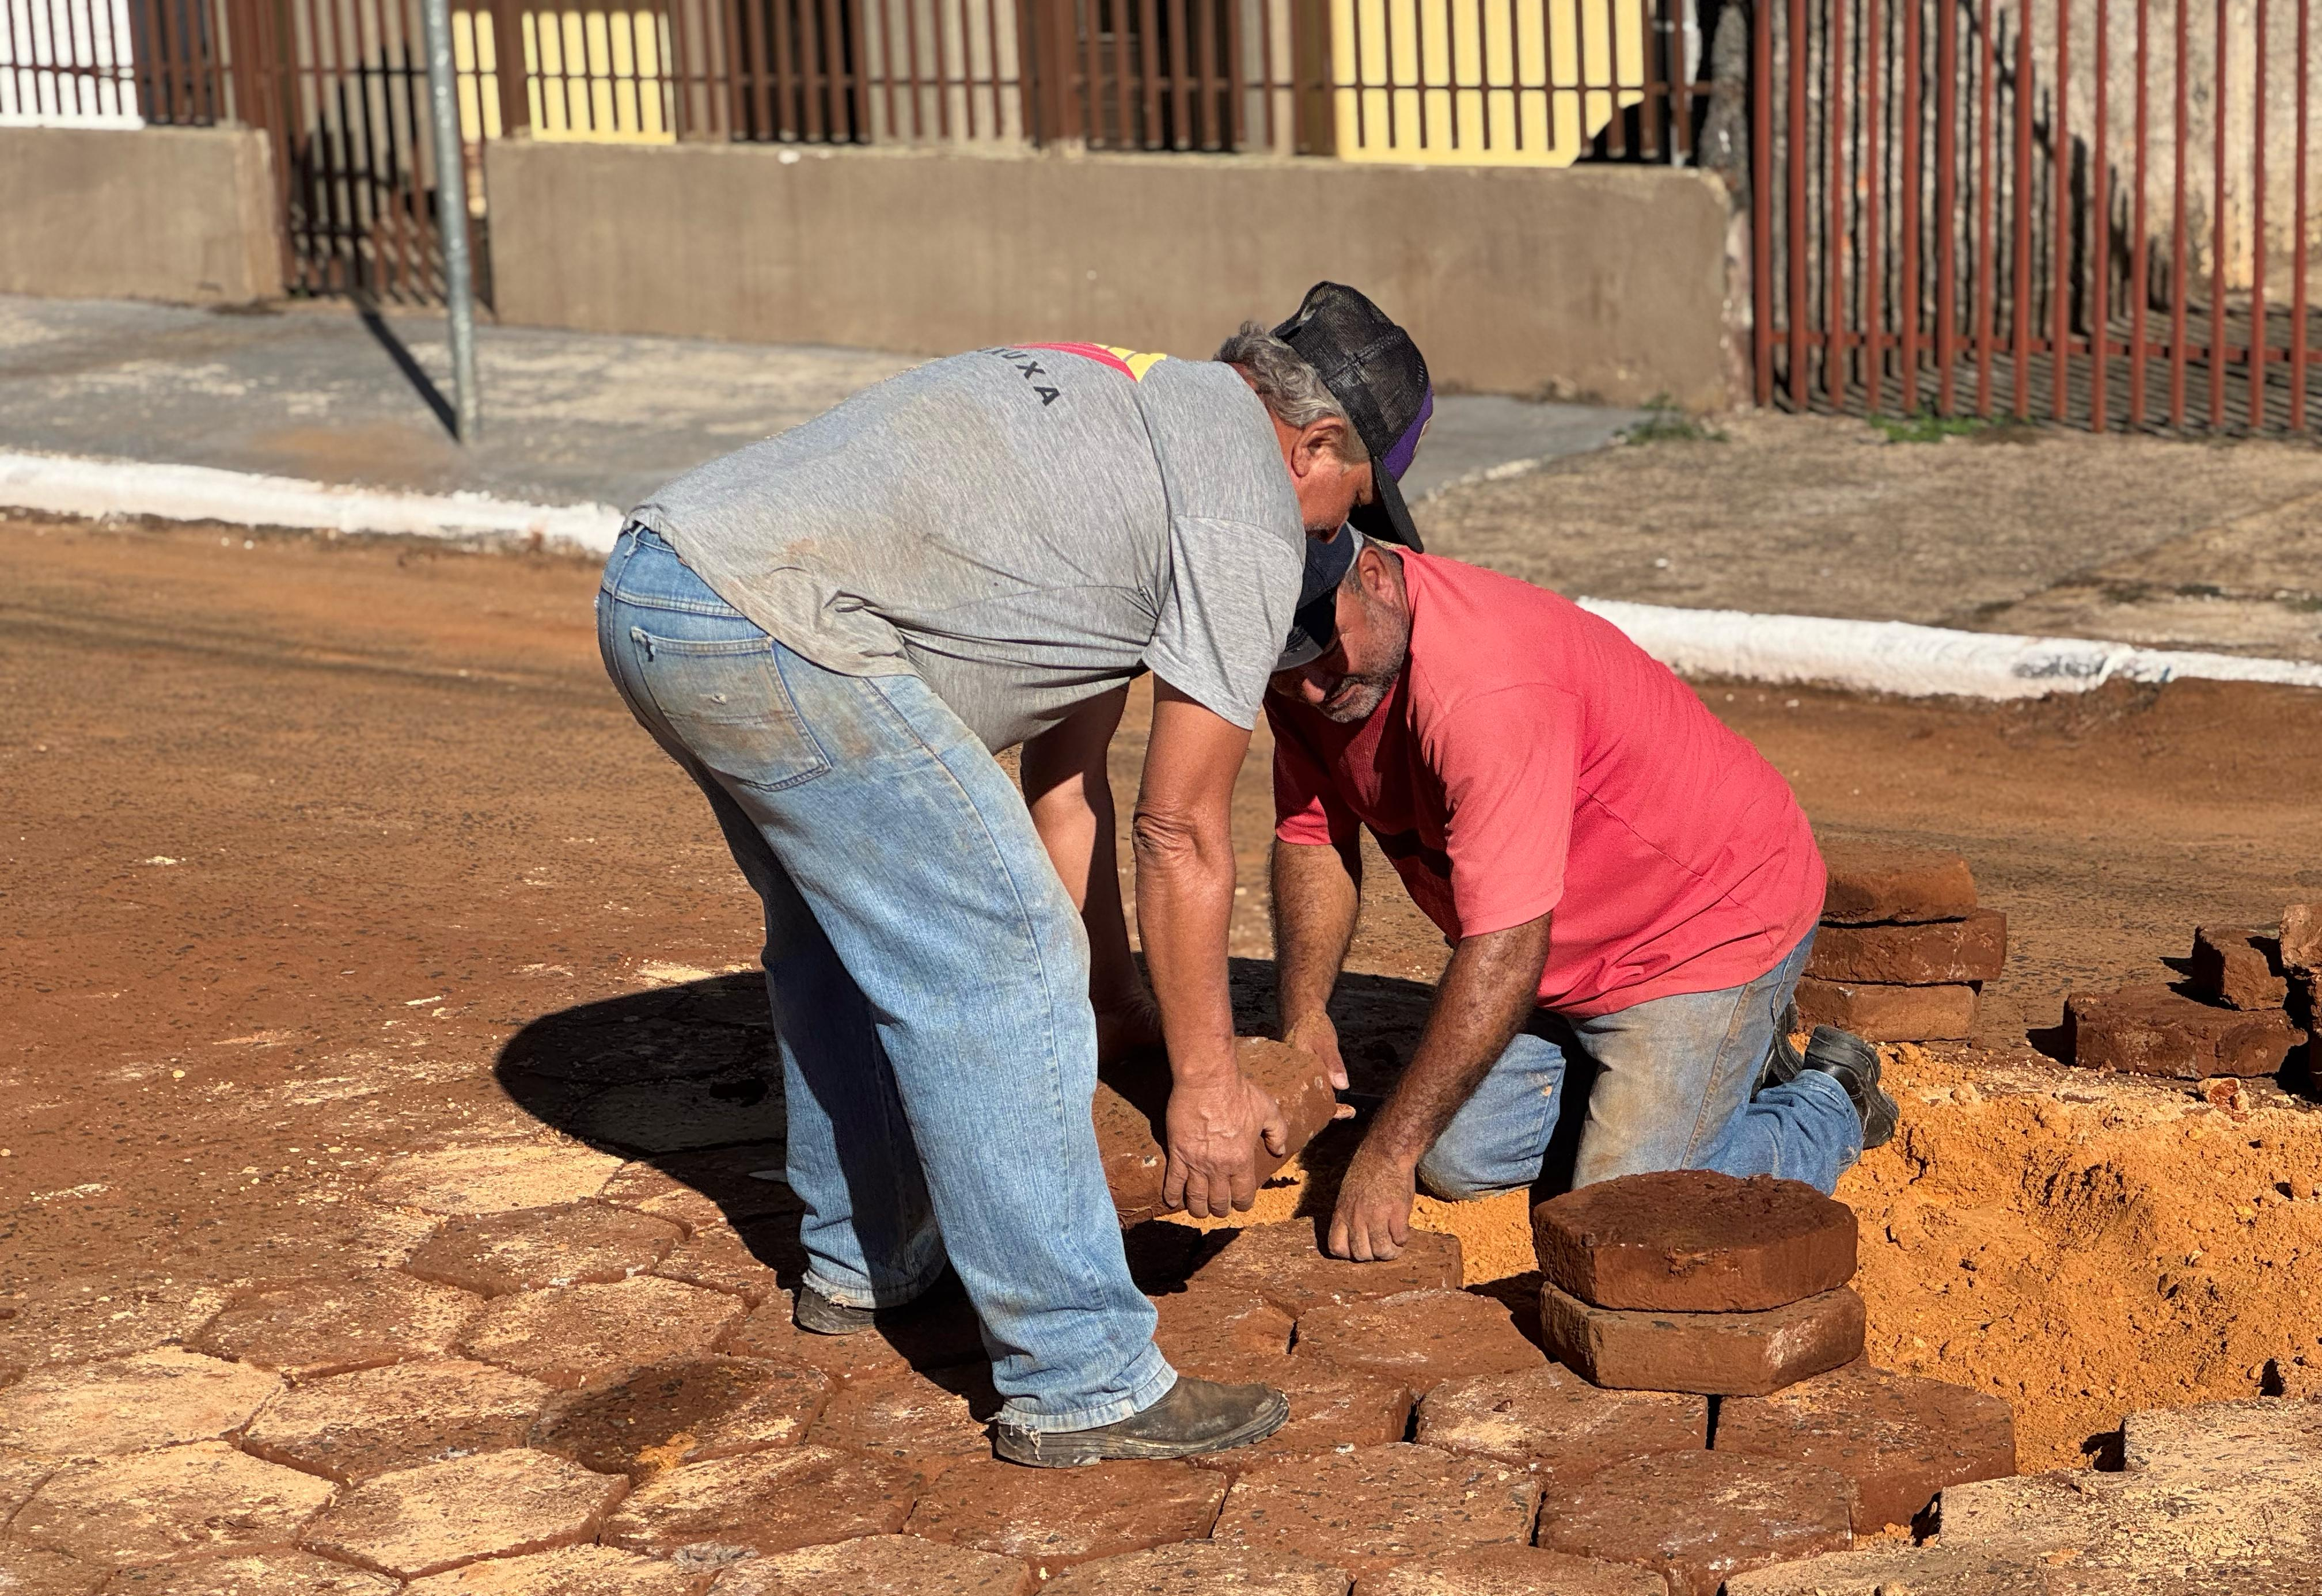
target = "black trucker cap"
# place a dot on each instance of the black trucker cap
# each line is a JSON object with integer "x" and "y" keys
{"x": 1314, "y": 626}
{"x": 1376, "y": 371}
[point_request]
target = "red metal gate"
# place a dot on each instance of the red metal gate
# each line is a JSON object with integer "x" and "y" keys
{"x": 2095, "y": 212}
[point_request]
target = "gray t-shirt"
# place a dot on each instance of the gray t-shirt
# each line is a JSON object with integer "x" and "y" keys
{"x": 1023, "y": 527}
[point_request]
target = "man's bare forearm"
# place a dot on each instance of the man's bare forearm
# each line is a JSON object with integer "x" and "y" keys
{"x": 1317, "y": 898}
{"x": 1070, "y": 797}
{"x": 1486, "y": 994}
{"x": 1184, "y": 900}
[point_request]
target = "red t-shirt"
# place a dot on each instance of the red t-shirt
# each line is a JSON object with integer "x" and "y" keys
{"x": 1532, "y": 759}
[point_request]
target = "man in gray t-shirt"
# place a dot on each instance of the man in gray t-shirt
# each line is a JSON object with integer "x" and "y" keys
{"x": 834, "y": 631}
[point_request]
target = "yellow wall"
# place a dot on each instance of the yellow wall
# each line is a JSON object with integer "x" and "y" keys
{"x": 1474, "y": 90}
{"x": 596, "y": 76}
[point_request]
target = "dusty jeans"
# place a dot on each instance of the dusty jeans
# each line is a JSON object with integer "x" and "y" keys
{"x": 1673, "y": 1091}
{"x": 929, "y": 980}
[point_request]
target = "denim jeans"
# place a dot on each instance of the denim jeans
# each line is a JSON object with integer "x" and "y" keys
{"x": 929, "y": 983}
{"x": 1672, "y": 1090}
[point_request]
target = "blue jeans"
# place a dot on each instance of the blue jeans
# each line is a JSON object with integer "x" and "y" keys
{"x": 1672, "y": 1090}
{"x": 930, "y": 982}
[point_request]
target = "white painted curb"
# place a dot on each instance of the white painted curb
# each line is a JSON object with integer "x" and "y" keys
{"x": 1868, "y": 656}
{"x": 1915, "y": 661}
{"x": 63, "y": 485}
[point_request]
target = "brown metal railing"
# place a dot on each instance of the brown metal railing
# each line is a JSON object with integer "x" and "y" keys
{"x": 2094, "y": 212}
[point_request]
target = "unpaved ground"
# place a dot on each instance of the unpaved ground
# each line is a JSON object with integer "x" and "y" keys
{"x": 306, "y": 831}
{"x": 2211, "y": 547}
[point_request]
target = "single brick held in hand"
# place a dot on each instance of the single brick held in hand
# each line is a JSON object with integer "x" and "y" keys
{"x": 1515, "y": 1571}
{"x": 1054, "y": 1517}
{"x": 1422, "y": 1338}
{"x": 1899, "y": 1438}
{"x": 1132, "y": 1097}
{"x": 1939, "y": 953}
{"x": 1694, "y": 1240}
{"x": 1556, "y": 1424}
{"x": 1888, "y": 1013}
{"x": 1365, "y": 1511}
{"x": 1284, "y": 1264}
{"x": 663, "y": 1415}
{"x": 2150, "y": 1030}
{"x": 1700, "y": 1517}
{"x": 765, "y": 1503}
{"x": 1729, "y": 1355}
{"x": 2229, "y": 966}
{"x": 879, "y": 1565}
{"x": 1873, "y": 881}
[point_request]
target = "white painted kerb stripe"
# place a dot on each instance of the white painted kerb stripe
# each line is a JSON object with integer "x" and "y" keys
{"x": 1869, "y": 656}
{"x": 65, "y": 485}
{"x": 1917, "y": 661}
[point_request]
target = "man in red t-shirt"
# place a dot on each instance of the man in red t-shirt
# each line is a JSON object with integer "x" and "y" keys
{"x": 1622, "y": 878}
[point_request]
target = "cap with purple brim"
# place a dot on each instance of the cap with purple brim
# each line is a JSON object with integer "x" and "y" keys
{"x": 1373, "y": 370}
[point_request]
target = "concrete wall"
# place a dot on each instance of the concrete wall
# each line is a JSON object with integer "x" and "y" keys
{"x": 176, "y": 213}
{"x": 1600, "y": 281}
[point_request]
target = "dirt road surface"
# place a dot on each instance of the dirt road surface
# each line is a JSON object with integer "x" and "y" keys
{"x": 323, "y": 854}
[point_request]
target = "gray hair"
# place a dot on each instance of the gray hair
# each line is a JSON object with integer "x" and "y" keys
{"x": 1293, "y": 390}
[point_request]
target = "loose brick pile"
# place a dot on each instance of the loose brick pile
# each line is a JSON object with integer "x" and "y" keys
{"x": 1903, "y": 951}
{"x": 1132, "y": 1095}
{"x": 1694, "y": 1282}
{"x": 2244, "y": 1010}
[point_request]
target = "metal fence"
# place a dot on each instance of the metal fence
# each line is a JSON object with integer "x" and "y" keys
{"x": 2094, "y": 212}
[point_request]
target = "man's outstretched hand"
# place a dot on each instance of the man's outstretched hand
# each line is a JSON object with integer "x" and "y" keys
{"x": 1372, "y": 1220}
{"x": 1215, "y": 1133}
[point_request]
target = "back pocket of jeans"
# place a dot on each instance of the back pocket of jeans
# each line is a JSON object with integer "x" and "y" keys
{"x": 726, "y": 702}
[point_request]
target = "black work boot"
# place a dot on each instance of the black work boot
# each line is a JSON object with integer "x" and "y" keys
{"x": 1197, "y": 1416}
{"x": 1847, "y": 1059}
{"x": 812, "y": 1311}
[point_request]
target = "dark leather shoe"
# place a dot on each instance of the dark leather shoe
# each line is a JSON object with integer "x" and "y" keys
{"x": 1847, "y": 1059}
{"x": 1197, "y": 1416}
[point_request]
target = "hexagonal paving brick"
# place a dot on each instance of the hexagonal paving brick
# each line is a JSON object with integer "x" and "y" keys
{"x": 572, "y": 1243}
{"x": 105, "y": 1317}
{"x": 880, "y": 1565}
{"x": 571, "y": 1335}
{"x": 1900, "y": 1438}
{"x": 1556, "y": 1424}
{"x": 375, "y": 1421}
{"x": 727, "y": 1186}
{"x": 25, "y": 1571}
{"x": 1694, "y": 1240}
{"x": 494, "y": 1178}
{"x": 271, "y": 1574}
{"x": 196, "y": 1500}
{"x": 1698, "y": 1517}
{"x": 1422, "y": 1338}
{"x": 420, "y": 1521}
{"x": 1218, "y": 1326}
{"x": 1369, "y": 1510}
{"x": 745, "y": 1261}
{"x": 1515, "y": 1571}
{"x": 1283, "y": 1264}
{"x": 1332, "y": 1410}
{"x": 1054, "y": 1517}
{"x": 940, "y": 1337}
{"x": 764, "y": 1503}
{"x": 667, "y": 1414}
{"x": 1198, "y": 1568}
{"x": 154, "y": 1399}
{"x": 311, "y": 1328}
{"x": 1732, "y": 1354}
{"x": 927, "y": 1418}
{"x": 570, "y": 1570}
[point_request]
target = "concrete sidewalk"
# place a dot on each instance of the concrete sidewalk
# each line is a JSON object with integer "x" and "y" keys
{"x": 322, "y": 391}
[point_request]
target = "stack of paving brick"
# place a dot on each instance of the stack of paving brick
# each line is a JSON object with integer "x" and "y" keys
{"x": 1903, "y": 951}
{"x": 1132, "y": 1096}
{"x": 2246, "y": 997}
